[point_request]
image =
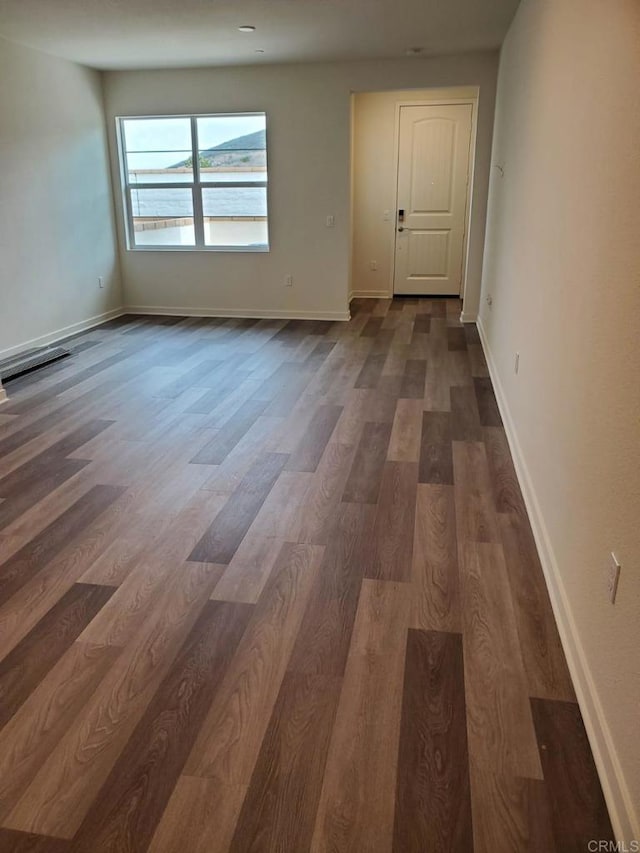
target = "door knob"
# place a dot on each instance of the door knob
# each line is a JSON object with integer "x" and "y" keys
{"x": 401, "y": 228}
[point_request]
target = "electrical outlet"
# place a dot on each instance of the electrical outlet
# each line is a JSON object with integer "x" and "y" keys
{"x": 288, "y": 280}
{"x": 516, "y": 365}
{"x": 613, "y": 578}
{"x": 331, "y": 221}
{"x": 373, "y": 265}
{"x": 100, "y": 281}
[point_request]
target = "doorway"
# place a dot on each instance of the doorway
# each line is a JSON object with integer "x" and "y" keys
{"x": 375, "y": 147}
{"x": 434, "y": 145}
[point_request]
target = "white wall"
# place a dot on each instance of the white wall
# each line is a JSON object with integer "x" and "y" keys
{"x": 375, "y": 177}
{"x": 308, "y": 112}
{"x": 56, "y": 221}
{"x": 562, "y": 264}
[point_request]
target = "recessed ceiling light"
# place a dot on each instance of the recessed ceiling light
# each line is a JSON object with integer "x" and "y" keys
{"x": 414, "y": 51}
{"x": 247, "y": 28}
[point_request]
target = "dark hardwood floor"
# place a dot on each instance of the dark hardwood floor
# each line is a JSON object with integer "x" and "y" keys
{"x": 271, "y": 586}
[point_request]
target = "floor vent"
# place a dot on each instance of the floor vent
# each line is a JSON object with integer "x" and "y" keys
{"x": 25, "y": 362}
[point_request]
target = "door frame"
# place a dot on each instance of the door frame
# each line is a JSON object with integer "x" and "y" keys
{"x": 439, "y": 102}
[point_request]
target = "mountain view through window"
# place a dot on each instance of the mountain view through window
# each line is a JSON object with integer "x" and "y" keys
{"x": 196, "y": 181}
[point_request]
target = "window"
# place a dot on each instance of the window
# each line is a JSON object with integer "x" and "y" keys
{"x": 195, "y": 182}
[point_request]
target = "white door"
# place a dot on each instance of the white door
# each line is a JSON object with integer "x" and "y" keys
{"x": 433, "y": 171}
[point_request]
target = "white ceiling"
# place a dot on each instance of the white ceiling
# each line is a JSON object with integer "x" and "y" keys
{"x": 162, "y": 33}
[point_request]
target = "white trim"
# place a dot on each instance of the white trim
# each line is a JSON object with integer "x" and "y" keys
{"x": 626, "y": 824}
{"x": 249, "y": 313}
{"x": 370, "y": 294}
{"x": 60, "y": 334}
{"x": 469, "y": 317}
{"x": 3, "y": 395}
{"x": 263, "y": 249}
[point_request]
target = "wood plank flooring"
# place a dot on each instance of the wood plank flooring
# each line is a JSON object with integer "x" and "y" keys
{"x": 271, "y": 586}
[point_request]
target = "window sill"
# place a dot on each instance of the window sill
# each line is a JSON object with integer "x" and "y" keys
{"x": 251, "y": 250}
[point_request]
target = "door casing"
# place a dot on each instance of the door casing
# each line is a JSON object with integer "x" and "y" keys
{"x": 473, "y": 102}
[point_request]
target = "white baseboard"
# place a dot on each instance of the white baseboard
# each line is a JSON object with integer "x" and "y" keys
{"x": 370, "y": 294}
{"x": 626, "y": 824}
{"x": 59, "y": 334}
{"x": 3, "y": 395}
{"x": 249, "y": 313}
{"x": 469, "y": 317}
